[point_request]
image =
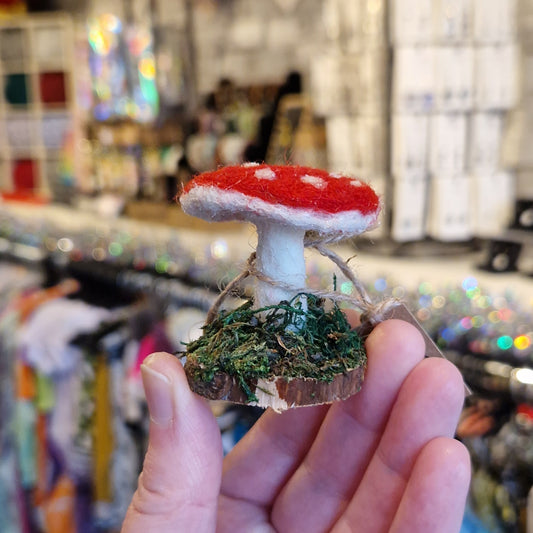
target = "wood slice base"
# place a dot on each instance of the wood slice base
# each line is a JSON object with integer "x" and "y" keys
{"x": 280, "y": 393}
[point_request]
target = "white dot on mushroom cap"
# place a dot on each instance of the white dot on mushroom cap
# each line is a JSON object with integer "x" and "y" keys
{"x": 315, "y": 181}
{"x": 355, "y": 183}
{"x": 250, "y": 164}
{"x": 335, "y": 175}
{"x": 265, "y": 174}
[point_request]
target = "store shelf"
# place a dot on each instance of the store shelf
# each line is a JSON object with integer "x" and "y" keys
{"x": 173, "y": 216}
{"x": 37, "y": 103}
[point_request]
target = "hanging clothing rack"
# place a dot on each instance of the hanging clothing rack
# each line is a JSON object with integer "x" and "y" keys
{"x": 121, "y": 282}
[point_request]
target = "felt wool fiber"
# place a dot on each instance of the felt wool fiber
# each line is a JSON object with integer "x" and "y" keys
{"x": 303, "y": 197}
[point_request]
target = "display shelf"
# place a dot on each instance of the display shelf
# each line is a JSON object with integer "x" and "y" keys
{"x": 37, "y": 103}
{"x": 149, "y": 219}
{"x": 173, "y": 216}
{"x": 447, "y": 130}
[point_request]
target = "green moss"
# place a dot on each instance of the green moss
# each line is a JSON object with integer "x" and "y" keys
{"x": 278, "y": 340}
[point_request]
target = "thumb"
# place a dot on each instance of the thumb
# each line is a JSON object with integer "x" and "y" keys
{"x": 179, "y": 485}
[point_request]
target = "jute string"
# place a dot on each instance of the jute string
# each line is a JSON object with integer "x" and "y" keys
{"x": 371, "y": 313}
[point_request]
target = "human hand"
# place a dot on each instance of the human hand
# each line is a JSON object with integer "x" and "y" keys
{"x": 382, "y": 460}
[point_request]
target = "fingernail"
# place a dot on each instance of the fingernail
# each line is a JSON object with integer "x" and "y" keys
{"x": 158, "y": 390}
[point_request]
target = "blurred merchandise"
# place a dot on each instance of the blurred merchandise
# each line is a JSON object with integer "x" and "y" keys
{"x": 349, "y": 86}
{"x": 37, "y": 106}
{"x": 455, "y": 76}
{"x": 123, "y": 69}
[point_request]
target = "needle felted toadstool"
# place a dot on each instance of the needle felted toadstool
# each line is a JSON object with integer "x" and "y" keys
{"x": 285, "y": 203}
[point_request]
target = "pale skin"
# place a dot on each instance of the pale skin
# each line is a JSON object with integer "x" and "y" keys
{"x": 382, "y": 461}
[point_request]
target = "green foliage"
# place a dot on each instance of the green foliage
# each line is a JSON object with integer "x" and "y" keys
{"x": 279, "y": 340}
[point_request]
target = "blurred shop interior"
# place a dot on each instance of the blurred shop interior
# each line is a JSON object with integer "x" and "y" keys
{"x": 108, "y": 107}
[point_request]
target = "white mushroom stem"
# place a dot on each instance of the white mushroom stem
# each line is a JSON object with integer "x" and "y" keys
{"x": 280, "y": 257}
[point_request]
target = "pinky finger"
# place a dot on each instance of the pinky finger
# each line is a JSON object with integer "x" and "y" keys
{"x": 435, "y": 495}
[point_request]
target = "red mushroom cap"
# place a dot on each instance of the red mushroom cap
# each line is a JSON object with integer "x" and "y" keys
{"x": 313, "y": 199}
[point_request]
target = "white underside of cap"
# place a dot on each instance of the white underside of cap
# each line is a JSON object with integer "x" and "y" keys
{"x": 214, "y": 204}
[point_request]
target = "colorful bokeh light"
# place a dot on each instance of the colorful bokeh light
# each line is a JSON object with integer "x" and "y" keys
{"x": 448, "y": 334}
{"x": 115, "y": 249}
{"x": 505, "y": 342}
{"x": 494, "y": 317}
{"x": 438, "y": 302}
{"x": 469, "y": 283}
{"x": 477, "y": 321}
{"x": 110, "y": 22}
{"x": 147, "y": 67}
{"x": 466, "y": 322}
{"x": 423, "y": 314}
{"x": 522, "y": 342}
{"x": 425, "y": 288}
{"x": 161, "y": 265}
{"x": 505, "y": 314}
{"x": 473, "y": 293}
{"x": 99, "y": 41}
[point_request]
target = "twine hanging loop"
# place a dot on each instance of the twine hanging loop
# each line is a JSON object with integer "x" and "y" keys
{"x": 371, "y": 313}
